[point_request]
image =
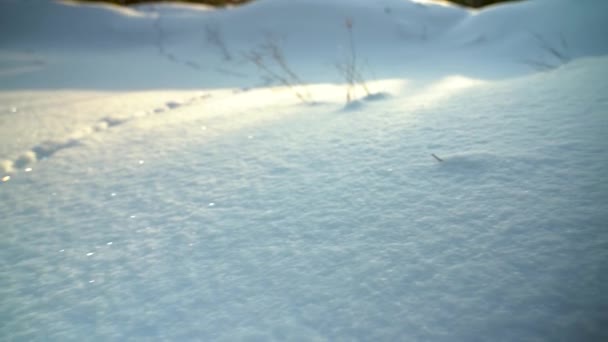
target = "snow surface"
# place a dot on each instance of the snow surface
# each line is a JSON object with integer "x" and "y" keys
{"x": 156, "y": 186}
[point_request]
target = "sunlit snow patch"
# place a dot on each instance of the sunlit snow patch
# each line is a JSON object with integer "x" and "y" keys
{"x": 441, "y": 90}
{"x": 6, "y": 166}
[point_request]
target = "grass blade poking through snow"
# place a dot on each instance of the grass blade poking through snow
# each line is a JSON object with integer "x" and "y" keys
{"x": 350, "y": 69}
{"x": 271, "y": 61}
{"x": 214, "y": 37}
{"x": 557, "y": 53}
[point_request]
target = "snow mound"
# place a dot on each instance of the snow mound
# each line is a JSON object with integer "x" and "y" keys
{"x": 140, "y": 207}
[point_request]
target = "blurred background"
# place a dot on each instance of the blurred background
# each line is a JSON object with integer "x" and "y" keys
{"x": 220, "y": 3}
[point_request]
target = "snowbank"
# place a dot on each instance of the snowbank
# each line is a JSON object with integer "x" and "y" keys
{"x": 156, "y": 184}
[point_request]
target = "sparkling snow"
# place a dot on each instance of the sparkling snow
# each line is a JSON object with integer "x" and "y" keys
{"x": 154, "y": 190}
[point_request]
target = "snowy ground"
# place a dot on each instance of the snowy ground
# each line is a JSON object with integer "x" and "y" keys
{"x": 152, "y": 189}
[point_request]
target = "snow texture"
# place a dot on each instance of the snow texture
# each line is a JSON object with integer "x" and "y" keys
{"x": 158, "y": 185}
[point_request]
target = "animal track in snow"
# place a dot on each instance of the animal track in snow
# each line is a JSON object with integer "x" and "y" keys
{"x": 48, "y": 148}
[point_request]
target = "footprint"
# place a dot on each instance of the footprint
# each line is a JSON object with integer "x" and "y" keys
{"x": 48, "y": 148}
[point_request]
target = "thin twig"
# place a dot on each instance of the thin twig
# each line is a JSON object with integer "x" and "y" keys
{"x": 270, "y": 53}
{"x": 215, "y": 37}
{"x": 350, "y": 69}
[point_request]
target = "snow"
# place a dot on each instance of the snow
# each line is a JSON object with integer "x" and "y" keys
{"x": 153, "y": 189}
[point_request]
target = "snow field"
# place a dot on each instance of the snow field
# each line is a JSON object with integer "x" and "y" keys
{"x": 155, "y": 195}
{"x": 328, "y": 225}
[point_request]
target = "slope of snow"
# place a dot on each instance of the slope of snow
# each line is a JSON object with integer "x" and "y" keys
{"x": 141, "y": 200}
{"x": 48, "y": 45}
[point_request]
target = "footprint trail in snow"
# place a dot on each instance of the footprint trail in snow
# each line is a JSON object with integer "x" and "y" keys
{"x": 48, "y": 148}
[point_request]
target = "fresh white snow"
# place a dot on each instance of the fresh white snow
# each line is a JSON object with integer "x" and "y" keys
{"x": 155, "y": 184}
